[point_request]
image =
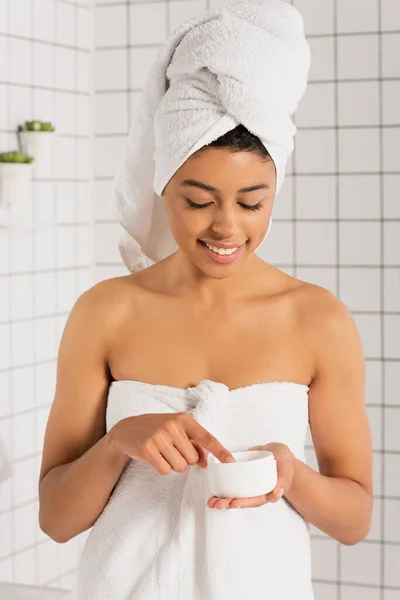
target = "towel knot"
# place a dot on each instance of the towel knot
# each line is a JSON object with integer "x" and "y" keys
{"x": 210, "y": 395}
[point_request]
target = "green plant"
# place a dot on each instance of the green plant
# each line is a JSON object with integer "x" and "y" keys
{"x": 15, "y": 157}
{"x": 36, "y": 126}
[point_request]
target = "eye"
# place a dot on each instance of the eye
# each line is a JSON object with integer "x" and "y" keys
{"x": 245, "y": 206}
{"x": 253, "y": 206}
{"x": 194, "y": 205}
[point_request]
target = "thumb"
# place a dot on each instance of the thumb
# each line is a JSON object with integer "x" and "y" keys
{"x": 255, "y": 448}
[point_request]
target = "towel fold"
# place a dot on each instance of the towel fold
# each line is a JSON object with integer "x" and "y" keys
{"x": 247, "y": 64}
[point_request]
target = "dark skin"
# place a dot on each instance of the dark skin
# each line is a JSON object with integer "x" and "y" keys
{"x": 292, "y": 331}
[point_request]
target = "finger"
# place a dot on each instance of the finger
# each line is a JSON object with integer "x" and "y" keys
{"x": 255, "y": 448}
{"x": 173, "y": 457}
{"x": 174, "y": 434}
{"x": 219, "y": 503}
{"x": 203, "y": 455}
{"x": 196, "y": 432}
{"x": 254, "y": 502}
{"x": 152, "y": 455}
{"x": 276, "y": 494}
{"x": 283, "y": 467}
{"x": 223, "y": 503}
{"x": 185, "y": 447}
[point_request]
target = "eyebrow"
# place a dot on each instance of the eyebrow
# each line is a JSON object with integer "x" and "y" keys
{"x": 210, "y": 188}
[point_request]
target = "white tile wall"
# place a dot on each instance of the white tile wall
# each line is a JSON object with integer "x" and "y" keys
{"x": 361, "y": 563}
{"x": 148, "y": 23}
{"x": 359, "y": 592}
{"x": 360, "y": 288}
{"x": 358, "y": 103}
{"x": 359, "y": 150}
{"x": 357, "y": 16}
{"x": 110, "y": 26}
{"x": 358, "y": 56}
{"x": 367, "y": 249}
{"x": 323, "y": 62}
{"x": 391, "y": 296}
{"x": 278, "y": 247}
{"x": 315, "y": 151}
{"x": 359, "y": 195}
{"x": 390, "y": 15}
{"x": 140, "y": 61}
{"x": 391, "y": 141}
{"x": 182, "y": 10}
{"x": 322, "y": 186}
{"x": 45, "y": 265}
{"x": 111, "y": 70}
{"x": 283, "y": 208}
{"x": 316, "y": 109}
{"x": 318, "y": 17}
{"x": 324, "y": 559}
{"x": 390, "y": 49}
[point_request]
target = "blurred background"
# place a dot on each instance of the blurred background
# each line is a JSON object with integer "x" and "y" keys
{"x": 81, "y": 65}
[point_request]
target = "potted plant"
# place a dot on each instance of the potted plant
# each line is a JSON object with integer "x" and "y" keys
{"x": 36, "y": 139}
{"x": 15, "y": 175}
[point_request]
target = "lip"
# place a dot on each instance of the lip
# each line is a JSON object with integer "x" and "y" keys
{"x": 221, "y": 245}
{"x": 223, "y": 259}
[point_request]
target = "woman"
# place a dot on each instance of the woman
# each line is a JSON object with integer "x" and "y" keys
{"x": 209, "y": 349}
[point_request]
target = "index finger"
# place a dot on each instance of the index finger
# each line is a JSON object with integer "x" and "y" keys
{"x": 200, "y": 435}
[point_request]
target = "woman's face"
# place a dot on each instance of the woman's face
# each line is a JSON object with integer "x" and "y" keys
{"x": 215, "y": 179}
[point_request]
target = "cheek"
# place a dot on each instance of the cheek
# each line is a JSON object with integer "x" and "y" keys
{"x": 258, "y": 228}
{"x": 183, "y": 224}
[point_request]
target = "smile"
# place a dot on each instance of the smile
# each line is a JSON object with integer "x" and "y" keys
{"x": 221, "y": 255}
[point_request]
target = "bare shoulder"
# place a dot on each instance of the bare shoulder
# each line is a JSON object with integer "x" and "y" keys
{"x": 326, "y": 325}
{"x": 329, "y": 329}
{"x": 108, "y": 290}
{"x": 107, "y": 300}
{"x": 319, "y": 307}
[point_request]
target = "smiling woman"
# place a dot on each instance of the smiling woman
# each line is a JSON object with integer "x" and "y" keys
{"x": 206, "y": 348}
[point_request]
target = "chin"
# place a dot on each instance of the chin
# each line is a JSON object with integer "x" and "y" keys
{"x": 218, "y": 271}
{"x": 218, "y": 275}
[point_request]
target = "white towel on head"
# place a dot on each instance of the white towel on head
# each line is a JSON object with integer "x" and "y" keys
{"x": 247, "y": 64}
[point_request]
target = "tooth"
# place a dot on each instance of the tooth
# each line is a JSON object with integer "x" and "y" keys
{"x": 221, "y": 251}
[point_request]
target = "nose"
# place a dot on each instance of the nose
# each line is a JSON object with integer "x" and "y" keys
{"x": 225, "y": 223}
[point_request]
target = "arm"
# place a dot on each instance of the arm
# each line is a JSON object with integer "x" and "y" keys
{"x": 81, "y": 463}
{"x": 339, "y": 499}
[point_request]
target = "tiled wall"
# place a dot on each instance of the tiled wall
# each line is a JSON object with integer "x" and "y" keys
{"x": 336, "y": 221}
{"x": 340, "y": 227}
{"x": 45, "y": 258}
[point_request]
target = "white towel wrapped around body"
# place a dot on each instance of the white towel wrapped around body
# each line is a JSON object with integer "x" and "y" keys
{"x": 247, "y": 64}
{"x": 157, "y": 539}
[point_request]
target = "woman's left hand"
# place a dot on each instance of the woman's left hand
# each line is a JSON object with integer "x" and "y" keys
{"x": 285, "y": 462}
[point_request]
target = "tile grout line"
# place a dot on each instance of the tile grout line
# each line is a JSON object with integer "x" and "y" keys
{"x": 337, "y": 217}
{"x": 382, "y": 304}
{"x": 33, "y": 242}
{"x": 12, "y": 494}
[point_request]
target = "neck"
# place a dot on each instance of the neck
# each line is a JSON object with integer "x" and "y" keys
{"x": 184, "y": 278}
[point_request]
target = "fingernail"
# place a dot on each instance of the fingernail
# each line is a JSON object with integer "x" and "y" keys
{"x": 281, "y": 492}
{"x": 230, "y": 459}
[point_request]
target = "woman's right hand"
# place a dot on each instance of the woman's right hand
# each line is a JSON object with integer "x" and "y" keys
{"x": 168, "y": 442}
